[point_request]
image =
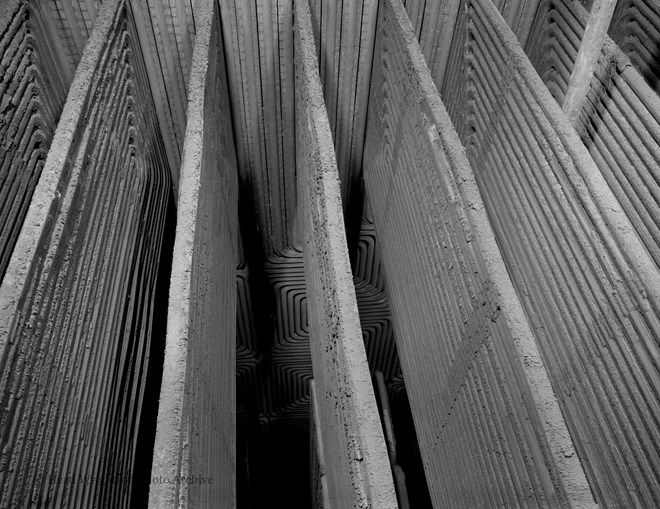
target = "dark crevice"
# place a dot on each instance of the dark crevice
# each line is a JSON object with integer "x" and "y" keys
{"x": 149, "y": 413}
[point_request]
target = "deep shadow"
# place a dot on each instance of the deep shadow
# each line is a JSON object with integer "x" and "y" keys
{"x": 146, "y": 437}
{"x": 408, "y": 454}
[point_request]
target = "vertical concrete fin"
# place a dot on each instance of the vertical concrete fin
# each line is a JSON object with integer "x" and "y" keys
{"x": 589, "y": 286}
{"x": 194, "y": 454}
{"x": 78, "y": 299}
{"x": 488, "y": 421}
{"x": 344, "y": 34}
{"x": 357, "y": 465}
{"x": 32, "y": 95}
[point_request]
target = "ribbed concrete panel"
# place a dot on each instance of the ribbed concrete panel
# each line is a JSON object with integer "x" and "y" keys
{"x": 357, "y": 467}
{"x": 194, "y": 453}
{"x": 76, "y": 303}
{"x": 166, "y": 32}
{"x": 344, "y": 32}
{"x": 68, "y": 25}
{"x": 489, "y": 425}
{"x": 588, "y": 285}
{"x": 259, "y": 41}
{"x": 636, "y": 29}
{"x": 435, "y": 25}
{"x": 619, "y": 121}
{"x": 259, "y": 47}
{"x": 42, "y": 44}
{"x": 32, "y": 97}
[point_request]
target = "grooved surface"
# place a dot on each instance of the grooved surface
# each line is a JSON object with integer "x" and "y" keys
{"x": 344, "y": 32}
{"x": 620, "y": 119}
{"x": 31, "y": 100}
{"x": 489, "y": 425}
{"x": 357, "y": 466}
{"x": 77, "y": 301}
{"x": 195, "y": 437}
{"x": 259, "y": 41}
{"x": 166, "y": 34}
{"x": 588, "y": 285}
{"x": 434, "y": 24}
{"x": 259, "y": 50}
{"x": 636, "y": 30}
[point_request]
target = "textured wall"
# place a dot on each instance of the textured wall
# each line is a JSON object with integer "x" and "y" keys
{"x": 636, "y": 30}
{"x": 344, "y": 32}
{"x": 259, "y": 49}
{"x": 488, "y": 422}
{"x": 32, "y": 99}
{"x": 164, "y": 32}
{"x": 273, "y": 355}
{"x": 195, "y": 438}
{"x": 357, "y": 467}
{"x": 588, "y": 285}
{"x": 620, "y": 120}
{"x": 435, "y": 25}
{"x": 77, "y": 299}
{"x": 41, "y": 45}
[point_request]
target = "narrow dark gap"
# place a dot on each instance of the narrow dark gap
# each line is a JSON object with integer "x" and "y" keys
{"x": 370, "y": 279}
{"x": 272, "y": 452}
{"x": 407, "y": 450}
{"x": 146, "y": 437}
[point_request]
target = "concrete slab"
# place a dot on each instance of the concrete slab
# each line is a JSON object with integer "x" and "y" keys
{"x": 195, "y": 450}
{"x": 357, "y": 466}
{"x": 489, "y": 424}
{"x": 78, "y": 296}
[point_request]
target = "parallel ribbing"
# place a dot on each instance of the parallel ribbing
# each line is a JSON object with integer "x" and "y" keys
{"x": 344, "y": 32}
{"x": 574, "y": 258}
{"x": 620, "y": 120}
{"x": 32, "y": 100}
{"x": 358, "y": 471}
{"x": 636, "y": 29}
{"x": 164, "y": 30}
{"x": 435, "y": 25}
{"x": 488, "y": 423}
{"x": 196, "y": 433}
{"x": 259, "y": 41}
{"x": 80, "y": 288}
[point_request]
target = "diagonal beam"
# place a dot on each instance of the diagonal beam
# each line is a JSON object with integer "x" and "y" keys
{"x": 357, "y": 466}
{"x": 587, "y": 58}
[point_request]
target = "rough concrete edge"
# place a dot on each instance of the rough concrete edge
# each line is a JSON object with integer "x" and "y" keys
{"x": 563, "y": 451}
{"x": 596, "y": 196}
{"x": 591, "y": 45}
{"x": 375, "y": 458}
{"x": 170, "y": 431}
{"x": 7, "y": 8}
{"x": 46, "y": 199}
